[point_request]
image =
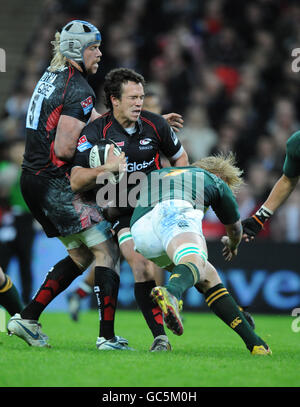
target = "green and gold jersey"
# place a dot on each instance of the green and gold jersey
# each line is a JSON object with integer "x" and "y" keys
{"x": 197, "y": 186}
{"x": 291, "y": 167}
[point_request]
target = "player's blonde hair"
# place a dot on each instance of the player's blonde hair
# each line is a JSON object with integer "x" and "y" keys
{"x": 59, "y": 60}
{"x": 224, "y": 166}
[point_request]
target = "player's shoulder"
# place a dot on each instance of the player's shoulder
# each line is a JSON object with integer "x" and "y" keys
{"x": 77, "y": 84}
{"x": 293, "y": 143}
{"x": 102, "y": 120}
{"x": 154, "y": 118}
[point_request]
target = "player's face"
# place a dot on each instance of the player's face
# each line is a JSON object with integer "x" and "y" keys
{"x": 128, "y": 108}
{"x": 92, "y": 56}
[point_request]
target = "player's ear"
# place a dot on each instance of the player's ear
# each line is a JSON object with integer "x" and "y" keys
{"x": 114, "y": 101}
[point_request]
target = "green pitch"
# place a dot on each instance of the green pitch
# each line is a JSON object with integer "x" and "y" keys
{"x": 208, "y": 354}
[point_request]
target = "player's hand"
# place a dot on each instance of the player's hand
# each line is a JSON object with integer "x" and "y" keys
{"x": 115, "y": 162}
{"x": 228, "y": 252}
{"x": 250, "y": 228}
{"x": 174, "y": 120}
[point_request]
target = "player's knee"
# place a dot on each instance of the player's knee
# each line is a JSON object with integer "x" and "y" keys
{"x": 190, "y": 252}
{"x": 210, "y": 278}
{"x": 2, "y": 277}
{"x": 83, "y": 258}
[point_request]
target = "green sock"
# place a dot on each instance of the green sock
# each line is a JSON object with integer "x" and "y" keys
{"x": 182, "y": 277}
{"x": 223, "y": 305}
{"x": 9, "y": 297}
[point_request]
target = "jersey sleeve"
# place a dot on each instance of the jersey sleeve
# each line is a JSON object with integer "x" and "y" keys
{"x": 291, "y": 166}
{"x": 88, "y": 138}
{"x": 226, "y": 207}
{"x": 169, "y": 142}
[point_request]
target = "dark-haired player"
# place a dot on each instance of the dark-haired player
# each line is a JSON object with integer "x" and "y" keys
{"x": 142, "y": 136}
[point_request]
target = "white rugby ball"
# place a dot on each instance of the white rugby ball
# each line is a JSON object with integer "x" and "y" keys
{"x": 98, "y": 156}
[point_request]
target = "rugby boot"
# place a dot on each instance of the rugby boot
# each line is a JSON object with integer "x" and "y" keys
{"x": 28, "y": 330}
{"x": 170, "y": 307}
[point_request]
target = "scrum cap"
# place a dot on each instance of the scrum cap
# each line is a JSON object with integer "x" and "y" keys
{"x": 75, "y": 37}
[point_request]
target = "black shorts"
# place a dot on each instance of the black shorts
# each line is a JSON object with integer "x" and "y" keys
{"x": 56, "y": 207}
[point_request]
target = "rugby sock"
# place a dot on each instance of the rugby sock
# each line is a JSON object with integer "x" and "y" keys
{"x": 106, "y": 288}
{"x": 151, "y": 312}
{"x": 183, "y": 277}
{"x": 83, "y": 290}
{"x": 223, "y": 305}
{"x": 56, "y": 281}
{"x": 9, "y": 297}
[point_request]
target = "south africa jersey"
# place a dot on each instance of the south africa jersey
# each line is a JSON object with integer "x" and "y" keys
{"x": 191, "y": 184}
{"x": 63, "y": 92}
{"x": 291, "y": 167}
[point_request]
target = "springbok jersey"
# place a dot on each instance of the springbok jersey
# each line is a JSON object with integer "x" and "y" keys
{"x": 195, "y": 185}
{"x": 63, "y": 92}
{"x": 291, "y": 167}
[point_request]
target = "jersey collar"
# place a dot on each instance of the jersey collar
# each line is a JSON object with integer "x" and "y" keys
{"x": 138, "y": 126}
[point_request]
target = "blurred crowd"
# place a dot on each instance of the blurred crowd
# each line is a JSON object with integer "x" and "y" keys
{"x": 225, "y": 65}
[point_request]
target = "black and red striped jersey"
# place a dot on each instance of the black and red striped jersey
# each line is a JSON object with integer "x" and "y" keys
{"x": 63, "y": 92}
{"x": 143, "y": 148}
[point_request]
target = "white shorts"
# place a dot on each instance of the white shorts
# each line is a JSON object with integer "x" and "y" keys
{"x": 90, "y": 237}
{"x": 153, "y": 232}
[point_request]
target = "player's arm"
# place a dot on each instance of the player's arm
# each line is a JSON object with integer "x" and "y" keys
{"x": 279, "y": 194}
{"x": 67, "y": 134}
{"x": 181, "y": 161}
{"x": 83, "y": 179}
{"x": 171, "y": 146}
{"x": 226, "y": 209}
{"x": 232, "y": 240}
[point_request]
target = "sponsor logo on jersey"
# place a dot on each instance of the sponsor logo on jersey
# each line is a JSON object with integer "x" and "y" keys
{"x": 131, "y": 167}
{"x": 83, "y": 144}
{"x": 120, "y": 143}
{"x": 87, "y": 105}
{"x": 145, "y": 141}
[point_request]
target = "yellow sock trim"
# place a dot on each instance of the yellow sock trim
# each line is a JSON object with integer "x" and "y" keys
{"x": 7, "y": 285}
{"x": 214, "y": 296}
{"x": 194, "y": 271}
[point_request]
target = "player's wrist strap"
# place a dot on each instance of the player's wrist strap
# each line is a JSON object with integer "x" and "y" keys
{"x": 262, "y": 215}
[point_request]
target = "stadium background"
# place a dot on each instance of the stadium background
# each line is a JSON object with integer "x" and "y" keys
{"x": 226, "y": 66}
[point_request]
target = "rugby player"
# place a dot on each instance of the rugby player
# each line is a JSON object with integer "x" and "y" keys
{"x": 61, "y": 105}
{"x": 170, "y": 209}
{"x": 280, "y": 192}
{"x": 142, "y": 136}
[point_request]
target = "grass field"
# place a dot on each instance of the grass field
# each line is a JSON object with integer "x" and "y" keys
{"x": 208, "y": 354}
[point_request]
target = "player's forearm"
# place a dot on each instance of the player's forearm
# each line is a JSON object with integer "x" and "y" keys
{"x": 181, "y": 161}
{"x": 280, "y": 192}
{"x": 84, "y": 179}
{"x": 234, "y": 232}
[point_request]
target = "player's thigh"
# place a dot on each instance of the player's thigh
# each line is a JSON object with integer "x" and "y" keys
{"x": 106, "y": 253}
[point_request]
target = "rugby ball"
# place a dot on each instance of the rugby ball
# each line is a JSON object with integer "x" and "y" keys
{"x": 98, "y": 156}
